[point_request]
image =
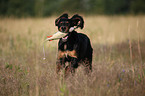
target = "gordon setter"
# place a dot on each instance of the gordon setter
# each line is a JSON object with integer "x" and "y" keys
{"x": 75, "y": 48}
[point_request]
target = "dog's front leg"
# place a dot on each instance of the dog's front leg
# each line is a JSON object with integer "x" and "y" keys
{"x": 59, "y": 65}
{"x": 73, "y": 64}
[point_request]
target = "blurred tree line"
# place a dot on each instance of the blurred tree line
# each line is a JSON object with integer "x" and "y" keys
{"x": 42, "y": 8}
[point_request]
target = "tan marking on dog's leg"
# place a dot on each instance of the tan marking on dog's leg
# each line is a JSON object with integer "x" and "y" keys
{"x": 58, "y": 67}
{"x": 61, "y": 54}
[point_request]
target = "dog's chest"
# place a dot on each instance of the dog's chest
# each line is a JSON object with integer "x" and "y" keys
{"x": 65, "y": 47}
{"x": 67, "y": 52}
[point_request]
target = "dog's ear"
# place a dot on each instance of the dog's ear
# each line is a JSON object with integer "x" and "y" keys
{"x": 77, "y": 21}
{"x": 65, "y": 15}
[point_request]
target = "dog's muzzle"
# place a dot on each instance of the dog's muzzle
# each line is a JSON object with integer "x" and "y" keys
{"x": 63, "y": 28}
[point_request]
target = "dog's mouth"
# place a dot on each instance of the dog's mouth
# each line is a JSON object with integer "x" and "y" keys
{"x": 66, "y": 37}
{"x": 56, "y": 36}
{"x": 63, "y": 35}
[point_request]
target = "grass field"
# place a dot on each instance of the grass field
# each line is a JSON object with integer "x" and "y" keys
{"x": 118, "y": 58}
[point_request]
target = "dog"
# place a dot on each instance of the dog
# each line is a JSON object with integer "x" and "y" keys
{"x": 75, "y": 48}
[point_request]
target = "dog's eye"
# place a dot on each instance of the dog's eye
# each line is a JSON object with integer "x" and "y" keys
{"x": 61, "y": 23}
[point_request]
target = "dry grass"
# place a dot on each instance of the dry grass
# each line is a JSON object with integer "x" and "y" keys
{"x": 118, "y": 58}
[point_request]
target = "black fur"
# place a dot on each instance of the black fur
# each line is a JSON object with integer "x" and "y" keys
{"x": 76, "y": 49}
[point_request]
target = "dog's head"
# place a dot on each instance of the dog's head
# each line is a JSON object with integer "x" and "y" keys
{"x": 64, "y": 23}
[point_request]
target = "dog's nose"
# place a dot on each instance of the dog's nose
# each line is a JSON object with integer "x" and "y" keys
{"x": 63, "y": 28}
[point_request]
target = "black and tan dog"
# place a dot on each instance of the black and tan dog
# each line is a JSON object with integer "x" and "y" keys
{"x": 75, "y": 48}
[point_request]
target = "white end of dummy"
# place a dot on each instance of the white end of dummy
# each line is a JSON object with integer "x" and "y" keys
{"x": 71, "y": 29}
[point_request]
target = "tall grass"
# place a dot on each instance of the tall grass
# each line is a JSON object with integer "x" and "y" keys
{"x": 118, "y": 58}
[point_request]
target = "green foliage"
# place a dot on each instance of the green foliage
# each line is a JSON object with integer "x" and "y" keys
{"x": 117, "y": 6}
{"x": 98, "y": 6}
{"x": 51, "y": 7}
{"x": 138, "y": 6}
{"x": 8, "y": 66}
{"x": 40, "y": 8}
{"x": 17, "y": 8}
{"x": 63, "y": 86}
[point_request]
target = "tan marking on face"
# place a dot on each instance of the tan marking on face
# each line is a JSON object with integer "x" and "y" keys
{"x": 67, "y": 29}
{"x": 62, "y": 54}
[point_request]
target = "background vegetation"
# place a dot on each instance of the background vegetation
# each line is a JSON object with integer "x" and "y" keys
{"x": 118, "y": 58}
{"x": 40, "y": 8}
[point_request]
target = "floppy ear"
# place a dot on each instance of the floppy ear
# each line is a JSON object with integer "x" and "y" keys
{"x": 62, "y": 16}
{"x": 77, "y": 21}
